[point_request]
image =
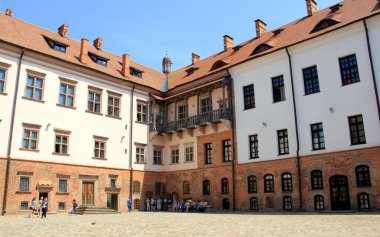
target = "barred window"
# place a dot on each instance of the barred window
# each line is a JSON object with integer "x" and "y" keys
{"x": 252, "y": 184}
{"x": 357, "y": 130}
{"x": 136, "y": 204}
{"x": 287, "y": 203}
{"x": 61, "y": 206}
{"x": 363, "y": 178}
{"x": 316, "y": 179}
{"x": 283, "y": 142}
{"x": 186, "y": 187}
{"x": 24, "y": 184}
{"x": 319, "y": 203}
{"x": 249, "y": 97}
{"x": 278, "y": 89}
{"x": 363, "y": 201}
{"x": 311, "y": 81}
{"x": 62, "y": 186}
{"x": 349, "y": 69}
{"x": 287, "y": 182}
{"x": 24, "y": 206}
{"x": 268, "y": 183}
{"x": 136, "y": 186}
{"x": 253, "y": 147}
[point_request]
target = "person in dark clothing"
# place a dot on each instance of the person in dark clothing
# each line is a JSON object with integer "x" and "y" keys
{"x": 44, "y": 206}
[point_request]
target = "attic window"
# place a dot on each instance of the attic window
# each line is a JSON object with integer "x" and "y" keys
{"x": 261, "y": 48}
{"x": 335, "y": 8}
{"x": 323, "y": 24}
{"x": 57, "y": 46}
{"x": 191, "y": 70}
{"x": 98, "y": 59}
{"x": 237, "y": 47}
{"x": 135, "y": 72}
{"x": 218, "y": 64}
{"x": 277, "y": 32}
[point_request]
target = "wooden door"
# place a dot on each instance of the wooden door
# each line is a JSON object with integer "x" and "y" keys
{"x": 88, "y": 193}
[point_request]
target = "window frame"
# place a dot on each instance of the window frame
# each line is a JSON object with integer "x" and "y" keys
{"x": 269, "y": 183}
{"x": 252, "y": 184}
{"x": 67, "y": 83}
{"x": 59, "y": 46}
{"x": 206, "y": 187}
{"x": 317, "y": 201}
{"x": 140, "y": 154}
{"x": 208, "y": 153}
{"x": 174, "y": 155}
{"x": 65, "y": 186}
{"x": 283, "y": 142}
{"x": 249, "y": 97}
{"x": 142, "y": 112}
{"x": 278, "y": 89}
{"x": 317, "y": 137}
{"x": 157, "y": 156}
{"x": 310, "y": 80}
{"x": 363, "y": 177}
{"x": 93, "y": 103}
{"x": 21, "y": 187}
{"x": 101, "y": 141}
{"x": 253, "y": 146}
{"x": 346, "y": 81}
{"x": 63, "y": 134}
{"x": 4, "y": 67}
{"x": 205, "y": 108}
{"x": 367, "y": 206}
{"x": 253, "y": 207}
{"x": 136, "y": 187}
{"x": 113, "y": 97}
{"x": 186, "y": 187}
{"x": 182, "y": 110}
{"x": 287, "y": 182}
{"x": 227, "y": 150}
{"x": 316, "y": 179}
{"x": 24, "y": 206}
{"x": 356, "y": 126}
{"x": 189, "y": 153}
{"x": 34, "y": 88}
{"x": 30, "y": 128}
{"x": 287, "y": 203}
{"x": 225, "y": 189}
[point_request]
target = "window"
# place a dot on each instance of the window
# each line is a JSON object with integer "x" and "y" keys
{"x": 206, "y": 187}
{"x": 283, "y": 143}
{"x": 323, "y": 24}
{"x": 349, "y": 70}
{"x": 278, "y": 89}
{"x": 225, "y": 186}
{"x": 2, "y": 81}
{"x": 157, "y": 156}
{"x": 319, "y": 203}
{"x": 175, "y": 156}
{"x": 135, "y": 72}
{"x": 226, "y": 150}
{"x": 261, "y": 48}
{"x": 186, "y": 187}
{"x": 205, "y": 105}
{"x": 24, "y": 184}
{"x": 141, "y": 112}
{"x": 34, "y": 88}
{"x": 30, "y": 139}
{"x": 287, "y": 203}
{"x": 287, "y": 183}
{"x": 252, "y": 184}
{"x": 66, "y": 94}
{"x": 208, "y": 153}
{"x": 94, "y": 101}
{"x": 158, "y": 188}
{"x": 136, "y": 186}
{"x": 311, "y": 81}
{"x": 218, "y": 64}
{"x": 249, "y": 97}
{"x": 363, "y": 179}
{"x": 182, "y": 110}
{"x": 318, "y": 139}
{"x": 113, "y": 183}
{"x": 24, "y": 206}
{"x": 113, "y": 106}
{"x": 253, "y": 204}
{"x": 268, "y": 183}
{"x": 61, "y": 144}
{"x": 101, "y": 61}
{"x": 189, "y": 153}
{"x": 62, "y": 186}
{"x": 253, "y": 147}
{"x": 140, "y": 154}
{"x": 357, "y": 130}
{"x": 100, "y": 149}
{"x": 136, "y": 204}
{"x": 59, "y": 47}
{"x": 316, "y": 179}
{"x": 61, "y": 206}
{"x": 363, "y": 201}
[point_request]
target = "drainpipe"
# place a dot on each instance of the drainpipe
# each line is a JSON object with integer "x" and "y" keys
{"x": 232, "y": 114}
{"x": 296, "y": 125}
{"x": 9, "y": 149}
{"x": 130, "y": 143}
{"x": 372, "y": 68}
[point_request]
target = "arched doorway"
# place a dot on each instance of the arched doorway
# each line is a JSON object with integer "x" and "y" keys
{"x": 339, "y": 191}
{"x": 226, "y": 204}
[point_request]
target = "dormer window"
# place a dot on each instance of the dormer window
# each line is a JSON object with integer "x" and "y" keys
{"x": 59, "y": 47}
{"x": 261, "y": 48}
{"x": 323, "y": 24}
{"x": 218, "y": 64}
{"x": 277, "y": 32}
{"x": 98, "y": 59}
{"x": 237, "y": 47}
{"x": 191, "y": 70}
{"x": 335, "y": 8}
{"x": 135, "y": 72}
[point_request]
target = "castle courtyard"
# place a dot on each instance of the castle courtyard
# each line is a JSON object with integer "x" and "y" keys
{"x": 193, "y": 224}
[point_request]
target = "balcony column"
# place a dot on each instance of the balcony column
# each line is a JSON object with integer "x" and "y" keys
{"x": 210, "y": 104}
{"x": 175, "y": 109}
{"x": 224, "y": 97}
{"x": 187, "y": 106}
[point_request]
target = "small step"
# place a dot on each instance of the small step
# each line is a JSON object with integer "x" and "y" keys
{"x": 91, "y": 210}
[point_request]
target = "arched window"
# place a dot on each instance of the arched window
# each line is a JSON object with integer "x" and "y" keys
{"x": 206, "y": 187}
{"x": 261, "y": 48}
{"x": 287, "y": 203}
{"x": 225, "y": 186}
{"x": 363, "y": 179}
{"x": 186, "y": 187}
{"x": 253, "y": 204}
{"x": 323, "y": 24}
{"x": 363, "y": 201}
{"x": 268, "y": 183}
{"x": 136, "y": 187}
{"x": 218, "y": 64}
{"x": 319, "y": 203}
{"x": 316, "y": 179}
{"x": 252, "y": 184}
{"x": 136, "y": 204}
{"x": 286, "y": 182}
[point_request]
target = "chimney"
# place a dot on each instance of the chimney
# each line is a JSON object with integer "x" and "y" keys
{"x": 228, "y": 42}
{"x": 98, "y": 43}
{"x": 311, "y": 6}
{"x": 125, "y": 65}
{"x": 261, "y": 27}
{"x": 84, "y": 51}
{"x": 195, "y": 58}
{"x": 62, "y": 31}
{"x": 8, "y": 12}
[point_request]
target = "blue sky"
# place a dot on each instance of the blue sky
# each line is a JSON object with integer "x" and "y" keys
{"x": 147, "y": 29}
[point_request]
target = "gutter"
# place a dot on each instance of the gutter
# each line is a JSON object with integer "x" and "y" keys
{"x": 9, "y": 149}
{"x": 296, "y": 126}
{"x": 372, "y": 67}
{"x": 130, "y": 142}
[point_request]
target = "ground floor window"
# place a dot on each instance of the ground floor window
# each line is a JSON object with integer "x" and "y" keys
{"x": 254, "y": 204}
{"x": 363, "y": 201}
{"x": 136, "y": 204}
{"x": 319, "y": 203}
{"x": 61, "y": 206}
{"x": 287, "y": 203}
{"x": 24, "y": 206}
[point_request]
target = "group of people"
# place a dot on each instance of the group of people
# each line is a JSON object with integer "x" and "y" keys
{"x": 189, "y": 206}
{"x": 38, "y": 207}
{"x": 153, "y": 204}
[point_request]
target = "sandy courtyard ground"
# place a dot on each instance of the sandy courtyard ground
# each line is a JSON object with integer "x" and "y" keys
{"x": 193, "y": 224}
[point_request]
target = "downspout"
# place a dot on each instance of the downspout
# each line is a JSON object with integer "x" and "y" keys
{"x": 232, "y": 114}
{"x": 296, "y": 125}
{"x": 130, "y": 143}
{"x": 372, "y": 68}
{"x": 7, "y": 169}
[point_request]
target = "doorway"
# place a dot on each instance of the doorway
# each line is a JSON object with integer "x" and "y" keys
{"x": 44, "y": 195}
{"x": 339, "y": 191}
{"x": 226, "y": 204}
{"x": 112, "y": 201}
{"x": 88, "y": 193}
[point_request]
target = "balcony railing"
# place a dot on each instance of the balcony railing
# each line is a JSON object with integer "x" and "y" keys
{"x": 192, "y": 122}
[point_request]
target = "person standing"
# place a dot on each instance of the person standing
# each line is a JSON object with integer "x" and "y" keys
{"x": 147, "y": 201}
{"x": 129, "y": 204}
{"x": 39, "y": 207}
{"x": 159, "y": 203}
{"x": 75, "y": 205}
{"x": 44, "y": 206}
{"x": 33, "y": 207}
